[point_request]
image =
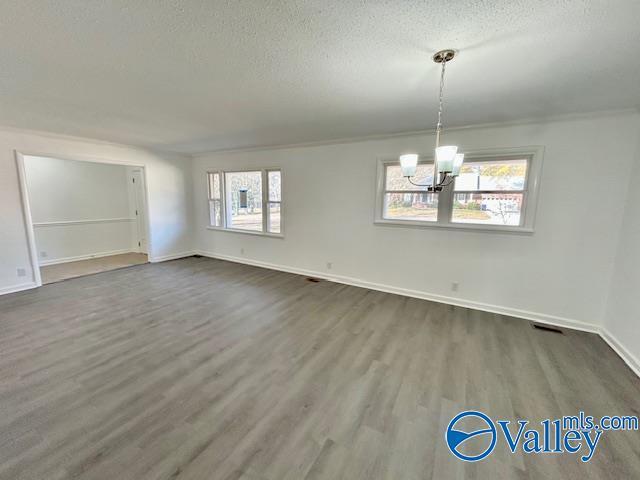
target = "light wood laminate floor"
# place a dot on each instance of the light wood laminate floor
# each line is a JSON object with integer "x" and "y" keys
{"x": 64, "y": 271}
{"x": 205, "y": 369}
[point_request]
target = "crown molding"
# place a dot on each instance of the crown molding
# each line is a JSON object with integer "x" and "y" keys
{"x": 430, "y": 132}
{"x": 92, "y": 141}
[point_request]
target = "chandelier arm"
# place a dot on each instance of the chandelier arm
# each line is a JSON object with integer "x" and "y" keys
{"x": 418, "y": 184}
{"x": 451, "y": 180}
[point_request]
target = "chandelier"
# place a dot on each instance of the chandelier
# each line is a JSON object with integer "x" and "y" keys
{"x": 447, "y": 160}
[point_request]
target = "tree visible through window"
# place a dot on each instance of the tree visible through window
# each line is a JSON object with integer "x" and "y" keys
{"x": 247, "y": 214}
{"x": 489, "y": 191}
{"x": 405, "y": 201}
{"x": 249, "y": 200}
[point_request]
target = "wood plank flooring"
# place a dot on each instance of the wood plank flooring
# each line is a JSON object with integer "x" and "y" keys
{"x": 204, "y": 369}
{"x": 64, "y": 271}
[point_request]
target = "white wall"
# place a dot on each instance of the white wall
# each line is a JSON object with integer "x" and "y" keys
{"x": 169, "y": 185}
{"x": 560, "y": 273}
{"x": 622, "y": 322}
{"x": 96, "y": 194}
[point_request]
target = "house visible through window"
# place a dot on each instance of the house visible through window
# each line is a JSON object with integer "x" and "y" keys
{"x": 491, "y": 191}
{"x": 405, "y": 201}
{"x": 246, "y": 200}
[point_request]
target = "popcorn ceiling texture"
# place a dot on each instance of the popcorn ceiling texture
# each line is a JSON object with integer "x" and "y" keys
{"x": 191, "y": 76}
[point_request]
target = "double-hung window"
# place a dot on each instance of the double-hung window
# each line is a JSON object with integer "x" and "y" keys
{"x": 215, "y": 200}
{"x": 246, "y": 201}
{"x": 490, "y": 192}
{"x": 405, "y": 201}
{"x": 494, "y": 191}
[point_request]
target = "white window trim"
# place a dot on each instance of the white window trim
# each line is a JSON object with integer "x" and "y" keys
{"x": 445, "y": 200}
{"x": 265, "y": 201}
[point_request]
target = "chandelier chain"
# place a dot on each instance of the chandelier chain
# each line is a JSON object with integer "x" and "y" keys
{"x": 440, "y": 105}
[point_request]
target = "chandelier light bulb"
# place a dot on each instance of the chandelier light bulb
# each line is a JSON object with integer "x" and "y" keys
{"x": 457, "y": 164}
{"x": 409, "y": 164}
{"x": 445, "y": 156}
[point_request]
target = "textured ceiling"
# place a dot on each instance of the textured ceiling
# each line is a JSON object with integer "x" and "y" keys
{"x": 196, "y": 75}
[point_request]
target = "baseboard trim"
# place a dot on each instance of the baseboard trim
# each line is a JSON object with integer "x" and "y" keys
{"x": 629, "y": 358}
{"x": 508, "y": 311}
{"x": 18, "y": 288}
{"x": 57, "y": 261}
{"x": 173, "y": 256}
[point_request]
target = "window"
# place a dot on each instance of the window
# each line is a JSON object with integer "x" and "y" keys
{"x": 492, "y": 192}
{"x": 405, "y": 201}
{"x": 215, "y": 200}
{"x": 275, "y": 198}
{"x": 246, "y": 201}
{"x": 243, "y": 200}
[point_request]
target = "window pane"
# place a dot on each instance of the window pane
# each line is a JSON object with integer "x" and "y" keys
{"x": 214, "y": 185}
{"x": 411, "y": 206}
{"x": 215, "y": 213}
{"x": 274, "y": 218}
{"x": 244, "y": 200}
{"x": 395, "y": 180}
{"x": 275, "y": 192}
{"x": 487, "y": 208}
{"x": 492, "y": 175}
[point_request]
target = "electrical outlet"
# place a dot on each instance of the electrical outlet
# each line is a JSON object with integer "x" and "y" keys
{"x": 21, "y": 272}
{"x": 329, "y": 265}
{"x": 43, "y": 254}
{"x": 242, "y": 251}
{"x": 454, "y": 286}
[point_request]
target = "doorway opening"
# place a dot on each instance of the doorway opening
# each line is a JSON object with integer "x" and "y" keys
{"x": 84, "y": 217}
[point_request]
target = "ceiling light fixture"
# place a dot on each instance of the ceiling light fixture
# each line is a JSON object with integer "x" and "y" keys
{"x": 447, "y": 161}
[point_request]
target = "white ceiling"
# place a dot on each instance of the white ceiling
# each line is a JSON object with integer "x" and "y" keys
{"x": 197, "y": 75}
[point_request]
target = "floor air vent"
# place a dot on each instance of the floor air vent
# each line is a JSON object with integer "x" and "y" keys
{"x": 313, "y": 280}
{"x": 547, "y": 328}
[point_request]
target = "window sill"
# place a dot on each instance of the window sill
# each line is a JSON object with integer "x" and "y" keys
{"x": 246, "y": 232}
{"x": 455, "y": 226}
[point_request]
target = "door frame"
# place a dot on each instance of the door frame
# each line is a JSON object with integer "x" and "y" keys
{"x": 26, "y": 207}
{"x": 142, "y": 209}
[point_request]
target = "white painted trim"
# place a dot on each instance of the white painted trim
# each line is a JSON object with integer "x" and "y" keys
{"x": 91, "y": 141}
{"x": 629, "y": 358}
{"x": 173, "y": 256}
{"x": 264, "y": 172}
{"x": 18, "y": 288}
{"x": 64, "y": 223}
{"x": 247, "y": 232}
{"x": 89, "y": 256}
{"x": 535, "y": 156}
{"x": 469, "y": 227}
{"x": 418, "y": 133}
{"x": 512, "y": 312}
{"x": 26, "y": 213}
{"x": 27, "y": 210}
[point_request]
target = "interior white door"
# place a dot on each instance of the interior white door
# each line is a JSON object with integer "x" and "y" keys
{"x": 137, "y": 178}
